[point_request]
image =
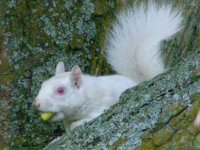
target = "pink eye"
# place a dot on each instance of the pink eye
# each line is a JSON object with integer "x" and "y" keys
{"x": 60, "y": 90}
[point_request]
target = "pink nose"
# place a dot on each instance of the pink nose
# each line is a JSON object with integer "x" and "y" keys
{"x": 36, "y": 105}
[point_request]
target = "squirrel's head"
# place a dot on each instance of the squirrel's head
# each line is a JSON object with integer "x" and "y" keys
{"x": 61, "y": 92}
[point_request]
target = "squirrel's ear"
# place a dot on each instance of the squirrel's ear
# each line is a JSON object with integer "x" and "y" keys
{"x": 76, "y": 76}
{"x": 60, "y": 68}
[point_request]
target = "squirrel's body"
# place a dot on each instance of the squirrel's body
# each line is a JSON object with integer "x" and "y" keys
{"x": 133, "y": 50}
{"x": 99, "y": 89}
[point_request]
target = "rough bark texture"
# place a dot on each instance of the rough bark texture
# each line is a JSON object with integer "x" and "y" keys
{"x": 37, "y": 34}
{"x": 154, "y": 115}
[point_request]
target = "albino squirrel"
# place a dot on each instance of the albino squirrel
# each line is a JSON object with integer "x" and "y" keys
{"x": 133, "y": 51}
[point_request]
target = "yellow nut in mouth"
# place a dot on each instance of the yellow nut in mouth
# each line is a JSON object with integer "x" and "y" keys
{"x": 47, "y": 116}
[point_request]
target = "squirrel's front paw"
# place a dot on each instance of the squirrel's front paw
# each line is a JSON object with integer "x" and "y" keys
{"x": 57, "y": 117}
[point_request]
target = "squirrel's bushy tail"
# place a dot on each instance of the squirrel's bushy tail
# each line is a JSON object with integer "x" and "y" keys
{"x": 133, "y": 47}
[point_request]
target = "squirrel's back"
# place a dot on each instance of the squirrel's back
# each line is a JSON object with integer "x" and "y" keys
{"x": 133, "y": 47}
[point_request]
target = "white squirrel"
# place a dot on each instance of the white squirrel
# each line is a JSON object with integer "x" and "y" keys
{"x": 133, "y": 50}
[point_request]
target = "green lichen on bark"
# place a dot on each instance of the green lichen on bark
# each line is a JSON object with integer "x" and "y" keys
{"x": 197, "y": 142}
{"x": 188, "y": 40}
{"x": 41, "y": 28}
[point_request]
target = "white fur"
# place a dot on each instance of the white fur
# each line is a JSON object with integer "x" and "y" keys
{"x": 197, "y": 121}
{"x": 134, "y": 43}
{"x": 79, "y": 105}
{"x": 133, "y": 51}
